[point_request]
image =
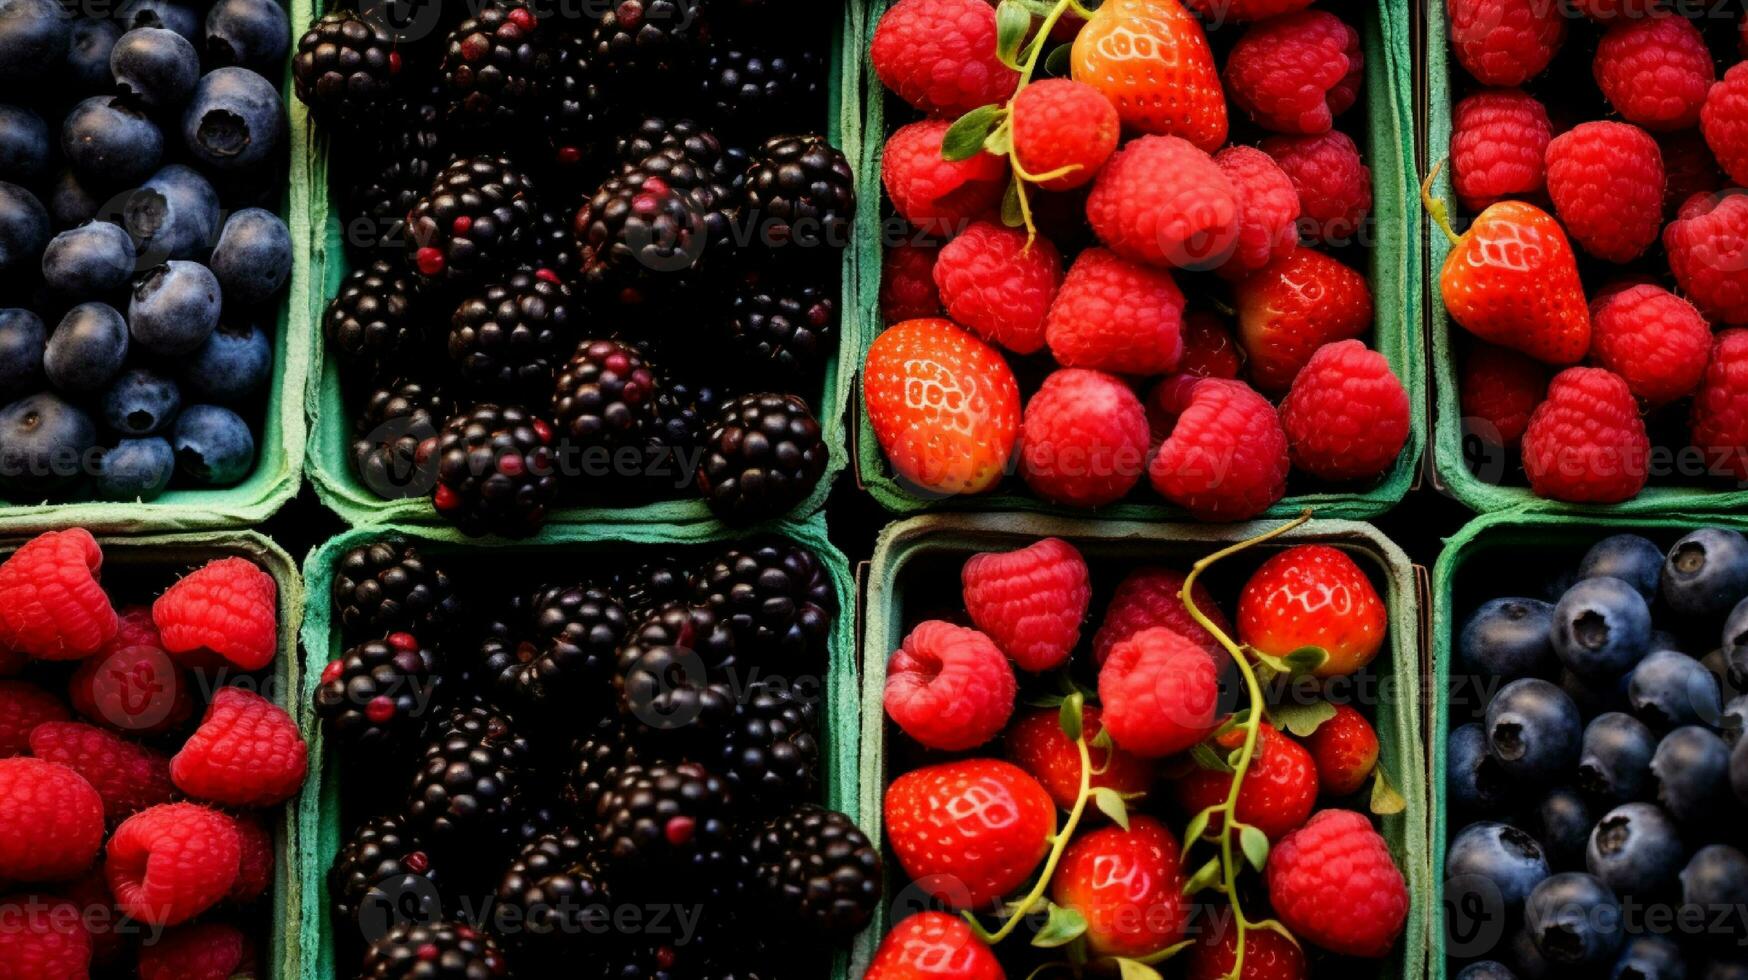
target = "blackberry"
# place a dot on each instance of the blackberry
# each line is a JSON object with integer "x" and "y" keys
{"x": 672, "y": 677}
{"x": 510, "y": 338}
{"x": 819, "y": 872}
{"x": 555, "y": 245}
{"x": 605, "y": 397}
{"x": 346, "y": 69}
{"x": 372, "y": 323}
{"x": 580, "y": 107}
{"x": 478, "y": 216}
{"x": 668, "y": 825}
{"x": 801, "y": 191}
{"x": 744, "y": 87}
{"x": 378, "y": 868}
{"x": 467, "y": 791}
{"x": 776, "y": 597}
{"x": 387, "y": 587}
{"x": 653, "y": 584}
{"x": 554, "y": 901}
{"x": 763, "y": 455}
{"x": 770, "y": 751}
{"x": 713, "y": 197}
{"x": 558, "y": 651}
{"x": 641, "y": 239}
{"x": 495, "y": 66}
{"x": 683, "y": 414}
{"x": 377, "y": 694}
{"x": 395, "y": 421}
{"x": 389, "y": 180}
{"x": 726, "y": 164}
{"x": 652, "y": 44}
{"x": 441, "y": 951}
{"x": 782, "y": 328}
{"x": 495, "y": 471}
{"x": 595, "y": 762}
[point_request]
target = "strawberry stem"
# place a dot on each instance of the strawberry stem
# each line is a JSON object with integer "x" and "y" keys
{"x": 1021, "y": 178}
{"x": 1441, "y": 215}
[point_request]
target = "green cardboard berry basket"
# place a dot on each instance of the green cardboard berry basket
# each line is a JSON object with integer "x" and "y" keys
{"x": 330, "y": 466}
{"x": 318, "y": 816}
{"x": 936, "y": 545}
{"x": 1394, "y": 270}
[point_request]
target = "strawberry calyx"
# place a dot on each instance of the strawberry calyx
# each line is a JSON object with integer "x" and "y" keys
{"x": 1440, "y": 212}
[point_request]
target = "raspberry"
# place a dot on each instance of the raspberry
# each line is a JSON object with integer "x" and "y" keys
{"x": 1606, "y": 181}
{"x": 1225, "y": 458}
{"x": 1720, "y": 408}
{"x": 128, "y": 777}
{"x": 12, "y": 663}
{"x": 1724, "y": 121}
{"x": 1337, "y": 861}
{"x": 207, "y": 951}
{"x": 1609, "y": 11}
{"x": 1334, "y": 184}
{"x": 1708, "y": 252}
{"x": 1688, "y": 168}
{"x": 1085, "y": 439}
{"x": 1030, "y": 601}
{"x": 1279, "y": 789}
{"x": 43, "y": 938}
{"x": 168, "y": 864}
{"x": 939, "y": 56}
{"x": 1295, "y": 74}
{"x": 1209, "y": 350}
{"x": 132, "y": 685}
{"x": 1345, "y": 749}
{"x": 51, "y": 605}
{"x": 1586, "y": 443}
{"x": 1655, "y": 71}
{"x": 949, "y": 687}
{"x": 1499, "y": 146}
{"x": 255, "y": 863}
{"x": 51, "y": 821}
{"x": 1059, "y": 124}
{"x": 1346, "y": 416}
{"x": 229, "y": 606}
{"x": 1162, "y": 201}
{"x": 1217, "y": 13}
{"x": 1655, "y": 340}
{"x": 1150, "y": 597}
{"x": 89, "y": 893}
{"x": 23, "y": 706}
{"x": 246, "y": 752}
{"x": 1115, "y": 315}
{"x": 1505, "y": 42}
{"x": 907, "y": 282}
{"x": 1268, "y": 223}
{"x": 999, "y": 285}
{"x": 1498, "y": 390}
{"x": 938, "y": 196}
{"x": 1160, "y": 692}
{"x": 1268, "y": 955}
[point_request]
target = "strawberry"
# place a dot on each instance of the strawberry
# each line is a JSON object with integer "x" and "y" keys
{"x": 943, "y": 404}
{"x": 1268, "y": 955}
{"x": 933, "y": 946}
{"x": 1345, "y": 749}
{"x": 1037, "y": 744}
{"x": 1297, "y": 303}
{"x": 969, "y": 832}
{"x": 1128, "y": 885}
{"x": 1280, "y": 787}
{"x": 1171, "y": 90}
{"x": 1313, "y": 596}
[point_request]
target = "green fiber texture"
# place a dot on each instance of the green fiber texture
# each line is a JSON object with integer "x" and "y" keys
{"x": 319, "y": 819}
{"x": 330, "y": 464}
{"x": 1395, "y": 275}
{"x": 1398, "y": 716}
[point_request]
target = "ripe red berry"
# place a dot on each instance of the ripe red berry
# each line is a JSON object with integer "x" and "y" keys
{"x": 1209, "y": 349}
{"x": 247, "y": 752}
{"x": 51, "y": 604}
{"x": 1498, "y": 391}
{"x": 1268, "y": 955}
{"x": 1037, "y": 744}
{"x": 1162, "y": 201}
{"x": 1268, "y": 225}
{"x": 1314, "y": 595}
{"x": 1086, "y": 439}
{"x": 51, "y": 821}
{"x": 204, "y": 951}
{"x": 1337, "y": 861}
{"x": 255, "y": 863}
{"x": 1505, "y": 42}
{"x": 1334, "y": 184}
{"x": 969, "y": 832}
{"x": 1688, "y": 168}
{"x": 128, "y": 777}
{"x": 938, "y": 196}
{"x": 1606, "y": 181}
{"x": 1225, "y": 456}
{"x": 1720, "y": 407}
{"x": 1655, "y": 340}
{"x": 1655, "y": 71}
{"x": 168, "y": 864}
{"x": 1115, "y": 315}
{"x": 1128, "y": 885}
{"x": 1345, "y": 749}
{"x": 43, "y": 937}
{"x": 949, "y": 687}
{"x": 1160, "y": 692}
{"x": 1151, "y": 596}
{"x": 23, "y": 706}
{"x": 933, "y": 946}
{"x": 1279, "y": 791}
{"x": 1030, "y": 601}
{"x": 1586, "y": 442}
{"x": 229, "y": 606}
{"x": 1347, "y": 415}
{"x": 1724, "y": 121}
{"x": 1708, "y": 253}
{"x": 1059, "y": 124}
{"x": 907, "y": 282}
{"x": 1151, "y": 58}
{"x": 1295, "y": 74}
{"x": 999, "y": 283}
{"x": 1292, "y": 307}
{"x": 1499, "y": 146}
{"x": 939, "y": 56}
{"x": 132, "y": 684}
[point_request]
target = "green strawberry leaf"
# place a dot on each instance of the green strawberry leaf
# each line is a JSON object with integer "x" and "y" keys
{"x": 1129, "y": 969}
{"x": 1275, "y": 926}
{"x": 1045, "y": 701}
{"x": 1385, "y": 800}
{"x": 1069, "y": 717}
{"x": 1056, "y": 62}
{"x": 1255, "y": 844}
{"x": 1301, "y": 719}
{"x": 1198, "y": 826}
{"x": 1110, "y": 802}
{"x": 965, "y": 137}
{"x": 1208, "y": 757}
{"x": 1011, "y": 215}
{"x": 1012, "y": 23}
{"x": 1064, "y": 926}
{"x": 1205, "y": 876}
{"x": 1000, "y": 142}
{"x": 1103, "y": 740}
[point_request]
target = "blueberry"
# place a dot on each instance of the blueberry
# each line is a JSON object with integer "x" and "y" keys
{"x": 1495, "y": 861}
{"x": 1508, "y": 639}
{"x": 24, "y": 227}
{"x": 235, "y": 120}
{"x": 173, "y": 215}
{"x": 1574, "y": 919}
{"x": 23, "y": 338}
{"x": 1634, "y": 560}
{"x": 1526, "y": 959}
{"x": 250, "y": 33}
{"x": 175, "y": 308}
{"x": 1664, "y": 640}
{"x": 182, "y": 18}
{"x": 1715, "y": 883}
{"x": 1486, "y": 970}
{"x": 1733, "y": 720}
{"x": 1706, "y": 573}
{"x": 1602, "y": 627}
{"x": 1692, "y": 767}
{"x": 253, "y": 257}
{"x": 1563, "y": 819}
{"x": 110, "y": 143}
{"x": 213, "y": 445}
{"x": 1739, "y": 771}
{"x": 156, "y": 66}
{"x": 24, "y": 145}
{"x": 1614, "y": 764}
{"x": 44, "y": 442}
{"x": 141, "y": 403}
{"x": 1476, "y": 783}
{"x": 136, "y": 469}
{"x": 93, "y": 38}
{"x": 1668, "y": 689}
{"x": 70, "y": 202}
{"x": 234, "y": 363}
{"x": 92, "y": 259}
{"x": 1635, "y": 850}
{"x": 1735, "y": 645}
{"x": 1723, "y": 969}
{"x": 1650, "y": 957}
{"x": 33, "y": 41}
{"x": 87, "y": 348}
{"x": 1533, "y": 730}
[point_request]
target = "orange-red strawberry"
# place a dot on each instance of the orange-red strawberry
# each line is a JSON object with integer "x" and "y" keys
{"x": 1128, "y": 885}
{"x": 1037, "y": 744}
{"x": 933, "y": 946}
{"x": 1280, "y": 787}
{"x": 1345, "y": 749}
{"x": 1294, "y": 305}
{"x": 1152, "y": 60}
{"x": 1268, "y": 955}
{"x": 969, "y": 832}
{"x": 1313, "y": 595}
{"x": 943, "y": 404}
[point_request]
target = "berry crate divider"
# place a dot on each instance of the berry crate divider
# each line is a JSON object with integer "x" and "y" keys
{"x": 1394, "y": 271}
{"x": 279, "y": 445}
{"x": 945, "y": 540}
{"x": 323, "y": 254}
{"x": 318, "y": 816}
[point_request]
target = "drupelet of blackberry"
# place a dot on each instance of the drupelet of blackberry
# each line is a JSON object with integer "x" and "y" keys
{"x": 762, "y": 456}
{"x": 478, "y": 216}
{"x": 671, "y": 827}
{"x": 778, "y": 600}
{"x": 641, "y": 240}
{"x": 819, "y": 873}
{"x": 495, "y": 67}
{"x": 652, "y": 584}
{"x": 508, "y": 339}
{"x": 555, "y": 245}
{"x": 554, "y": 901}
{"x": 769, "y": 753}
{"x": 652, "y": 44}
{"x": 604, "y": 398}
{"x": 388, "y": 586}
{"x": 744, "y": 87}
{"x": 672, "y": 678}
{"x": 372, "y": 324}
{"x": 782, "y": 327}
{"x": 379, "y": 693}
{"x": 388, "y": 180}
{"x": 800, "y": 191}
{"x": 495, "y": 470}
{"x": 440, "y": 951}
{"x": 557, "y": 651}
{"x": 393, "y": 423}
{"x": 384, "y": 866}
{"x": 347, "y": 70}
{"x": 581, "y": 107}
{"x": 683, "y": 414}
{"x": 467, "y": 791}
